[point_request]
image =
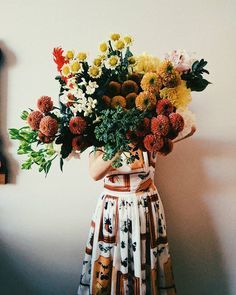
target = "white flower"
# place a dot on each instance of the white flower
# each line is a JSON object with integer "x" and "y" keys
{"x": 91, "y": 87}
{"x": 57, "y": 113}
{"x": 78, "y": 93}
{"x": 181, "y": 60}
{"x": 97, "y": 119}
{"x": 112, "y": 62}
{"x": 91, "y": 102}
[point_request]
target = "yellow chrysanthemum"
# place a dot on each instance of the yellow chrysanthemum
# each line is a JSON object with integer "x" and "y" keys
{"x": 151, "y": 82}
{"x": 118, "y": 100}
{"x": 66, "y": 70}
{"x": 146, "y": 63}
{"x": 115, "y": 37}
{"x": 97, "y": 62}
{"x": 112, "y": 62}
{"x": 179, "y": 96}
{"x": 69, "y": 54}
{"x": 145, "y": 101}
{"x": 75, "y": 66}
{"x": 94, "y": 71}
{"x": 128, "y": 40}
{"x": 170, "y": 77}
{"x": 119, "y": 45}
{"x": 103, "y": 47}
{"x": 82, "y": 56}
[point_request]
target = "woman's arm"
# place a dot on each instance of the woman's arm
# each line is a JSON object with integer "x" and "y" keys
{"x": 193, "y": 129}
{"x": 98, "y": 167}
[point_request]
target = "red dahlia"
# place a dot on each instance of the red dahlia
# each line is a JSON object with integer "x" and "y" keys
{"x": 34, "y": 119}
{"x": 167, "y": 147}
{"x": 77, "y": 125}
{"x": 153, "y": 142}
{"x": 48, "y": 126}
{"x": 164, "y": 107}
{"x": 176, "y": 121}
{"x": 45, "y": 104}
{"x": 160, "y": 125}
{"x": 46, "y": 139}
{"x": 144, "y": 127}
{"x": 77, "y": 142}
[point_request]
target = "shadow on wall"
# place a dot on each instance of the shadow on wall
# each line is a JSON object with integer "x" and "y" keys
{"x": 8, "y": 60}
{"x": 11, "y": 280}
{"x": 198, "y": 264}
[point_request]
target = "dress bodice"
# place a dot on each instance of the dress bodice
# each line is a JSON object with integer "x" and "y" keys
{"x": 134, "y": 177}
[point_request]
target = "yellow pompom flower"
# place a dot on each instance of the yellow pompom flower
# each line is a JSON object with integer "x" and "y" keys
{"x": 128, "y": 40}
{"x": 75, "y": 66}
{"x": 94, "y": 71}
{"x": 146, "y": 63}
{"x": 145, "y": 101}
{"x": 97, "y": 62}
{"x": 103, "y": 47}
{"x": 82, "y": 56}
{"x": 179, "y": 96}
{"x": 69, "y": 54}
{"x": 119, "y": 45}
{"x": 118, "y": 100}
{"x": 115, "y": 37}
{"x": 66, "y": 70}
{"x": 151, "y": 82}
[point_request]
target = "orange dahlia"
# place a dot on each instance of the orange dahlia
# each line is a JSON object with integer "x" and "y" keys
{"x": 160, "y": 125}
{"x": 129, "y": 86}
{"x": 151, "y": 82}
{"x": 34, "y": 119}
{"x": 77, "y": 125}
{"x": 118, "y": 100}
{"x": 169, "y": 76}
{"x": 48, "y": 126}
{"x": 45, "y": 104}
{"x": 145, "y": 101}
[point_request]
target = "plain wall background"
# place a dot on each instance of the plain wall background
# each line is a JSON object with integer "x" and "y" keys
{"x": 44, "y": 223}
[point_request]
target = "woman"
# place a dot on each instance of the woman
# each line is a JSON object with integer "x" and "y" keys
{"x": 127, "y": 250}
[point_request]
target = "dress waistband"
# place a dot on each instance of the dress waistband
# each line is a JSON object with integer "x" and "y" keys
{"x": 128, "y": 186}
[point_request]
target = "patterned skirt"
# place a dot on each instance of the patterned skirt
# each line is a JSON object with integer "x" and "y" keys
{"x": 127, "y": 249}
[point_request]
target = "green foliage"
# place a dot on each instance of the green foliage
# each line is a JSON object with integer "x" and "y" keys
{"x": 29, "y": 146}
{"x": 194, "y": 78}
{"x": 112, "y": 130}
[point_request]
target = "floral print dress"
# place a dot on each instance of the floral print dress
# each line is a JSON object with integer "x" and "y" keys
{"x": 127, "y": 249}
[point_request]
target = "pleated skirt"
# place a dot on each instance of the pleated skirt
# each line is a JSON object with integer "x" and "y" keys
{"x": 127, "y": 250}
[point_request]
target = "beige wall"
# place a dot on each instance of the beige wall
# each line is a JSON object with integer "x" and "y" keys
{"x": 44, "y": 222}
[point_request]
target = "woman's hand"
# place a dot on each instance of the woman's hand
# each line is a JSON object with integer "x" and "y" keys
{"x": 98, "y": 167}
{"x": 193, "y": 129}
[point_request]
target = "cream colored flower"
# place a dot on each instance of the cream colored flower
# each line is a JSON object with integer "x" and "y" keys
{"x": 146, "y": 63}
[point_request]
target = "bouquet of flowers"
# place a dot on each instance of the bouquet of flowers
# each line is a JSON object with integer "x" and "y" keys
{"x": 119, "y": 101}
